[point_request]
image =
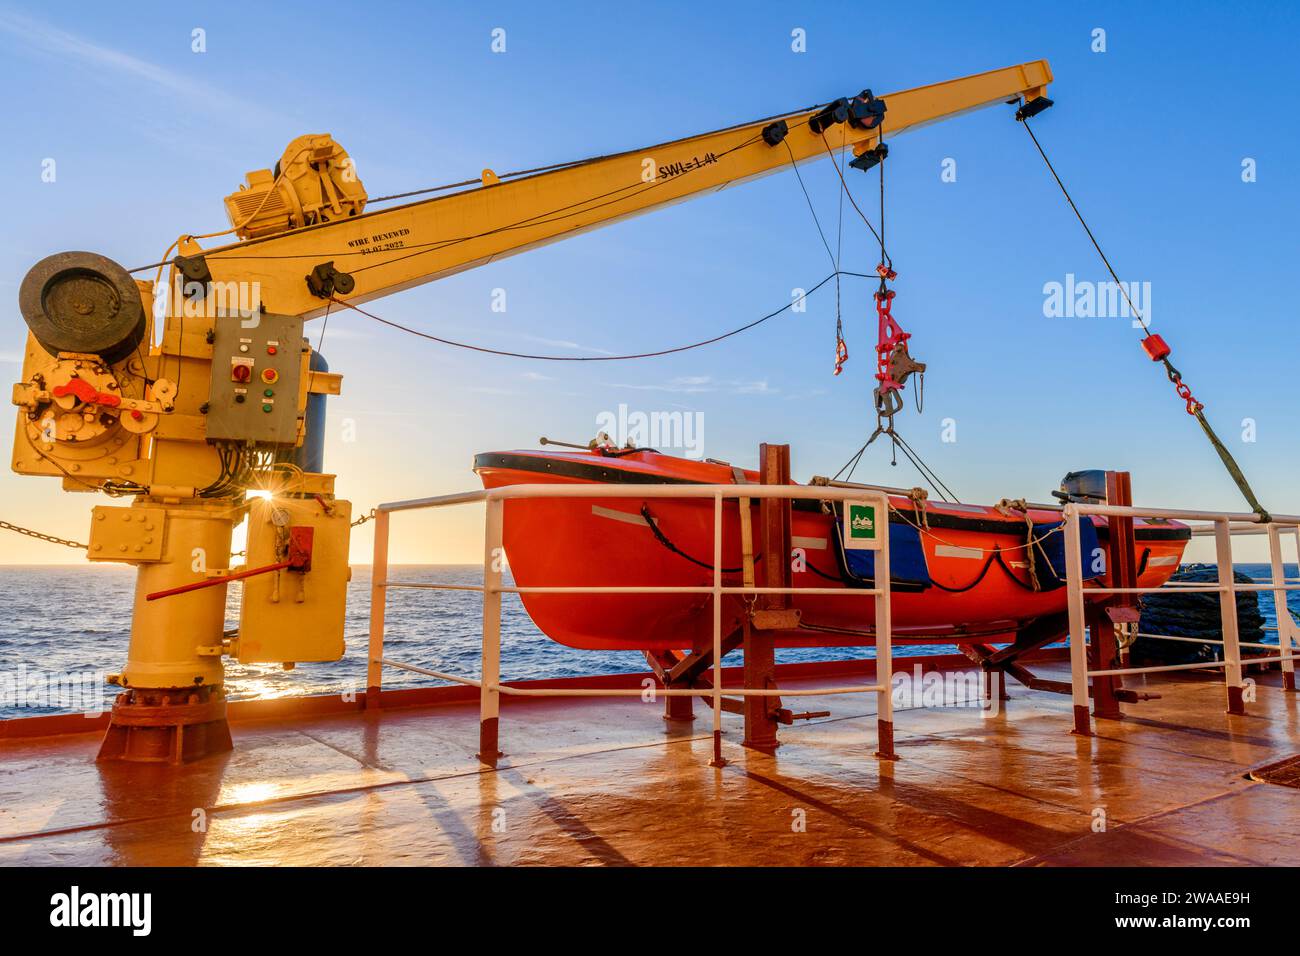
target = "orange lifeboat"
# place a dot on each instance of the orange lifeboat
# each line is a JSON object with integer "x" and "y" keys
{"x": 959, "y": 573}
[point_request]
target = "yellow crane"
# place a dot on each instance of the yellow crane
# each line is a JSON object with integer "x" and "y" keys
{"x": 231, "y": 399}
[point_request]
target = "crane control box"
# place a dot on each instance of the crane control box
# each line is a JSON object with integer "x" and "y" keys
{"x": 257, "y": 369}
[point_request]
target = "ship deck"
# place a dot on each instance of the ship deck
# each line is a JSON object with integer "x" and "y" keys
{"x": 609, "y": 782}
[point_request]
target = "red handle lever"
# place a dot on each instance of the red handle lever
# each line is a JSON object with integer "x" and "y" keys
{"x": 87, "y": 393}
{"x": 213, "y": 582}
{"x": 300, "y": 541}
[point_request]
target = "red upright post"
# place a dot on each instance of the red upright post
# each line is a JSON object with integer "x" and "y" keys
{"x": 1121, "y": 564}
{"x": 760, "y": 645}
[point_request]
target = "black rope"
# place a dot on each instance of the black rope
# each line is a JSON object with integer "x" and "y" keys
{"x": 570, "y": 164}
{"x": 320, "y": 343}
{"x": 995, "y": 557}
{"x": 921, "y": 466}
{"x": 799, "y": 176}
{"x": 423, "y": 248}
{"x": 589, "y": 358}
{"x": 1193, "y": 407}
{"x": 848, "y": 192}
{"x": 663, "y": 539}
{"x": 927, "y": 473}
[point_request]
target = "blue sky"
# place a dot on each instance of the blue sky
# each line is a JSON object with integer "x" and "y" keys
{"x": 1150, "y": 135}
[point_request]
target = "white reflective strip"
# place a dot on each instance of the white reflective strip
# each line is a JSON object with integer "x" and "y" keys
{"x": 953, "y": 551}
{"x": 817, "y": 544}
{"x": 969, "y": 509}
{"x": 600, "y": 512}
{"x": 1163, "y": 561}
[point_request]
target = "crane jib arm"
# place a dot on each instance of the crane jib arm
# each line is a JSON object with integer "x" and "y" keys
{"x": 365, "y": 255}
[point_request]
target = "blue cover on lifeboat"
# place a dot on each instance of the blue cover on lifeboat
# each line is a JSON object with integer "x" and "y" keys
{"x": 907, "y": 568}
{"x": 1049, "y": 553}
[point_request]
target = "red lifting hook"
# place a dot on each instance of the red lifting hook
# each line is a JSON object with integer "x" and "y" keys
{"x": 890, "y": 335}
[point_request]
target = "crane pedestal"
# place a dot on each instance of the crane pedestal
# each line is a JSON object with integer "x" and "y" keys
{"x": 167, "y": 726}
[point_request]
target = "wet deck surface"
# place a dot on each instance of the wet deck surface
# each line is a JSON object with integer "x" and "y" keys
{"x": 591, "y": 782}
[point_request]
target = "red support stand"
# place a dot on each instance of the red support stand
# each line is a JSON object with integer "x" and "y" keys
{"x": 760, "y": 645}
{"x": 1101, "y": 654}
{"x": 885, "y": 740}
{"x": 1121, "y": 567}
{"x": 1082, "y": 722}
{"x": 679, "y": 708}
{"x": 1236, "y": 703}
{"x": 488, "y": 752}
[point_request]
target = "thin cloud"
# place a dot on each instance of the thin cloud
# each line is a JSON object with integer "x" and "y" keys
{"x": 561, "y": 344}
{"x": 696, "y": 384}
{"x": 38, "y": 36}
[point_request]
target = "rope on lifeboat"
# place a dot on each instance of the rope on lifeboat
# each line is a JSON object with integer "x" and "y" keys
{"x": 996, "y": 557}
{"x": 664, "y": 540}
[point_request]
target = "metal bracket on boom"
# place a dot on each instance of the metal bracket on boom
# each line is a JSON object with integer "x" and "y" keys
{"x": 774, "y": 133}
{"x": 871, "y": 158}
{"x": 325, "y": 280}
{"x": 1032, "y": 108}
{"x": 864, "y": 111}
{"x": 194, "y": 269}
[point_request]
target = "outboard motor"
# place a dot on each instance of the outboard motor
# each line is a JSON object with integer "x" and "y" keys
{"x": 1083, "y": 486}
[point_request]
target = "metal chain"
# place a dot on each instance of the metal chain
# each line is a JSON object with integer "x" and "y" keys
{"x": 54, "y": 539}
{"x": 5, "y": 525}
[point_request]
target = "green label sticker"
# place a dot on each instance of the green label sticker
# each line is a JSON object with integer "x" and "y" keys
{"x": 860, "y": 525}
{"x": 862, "y": 521}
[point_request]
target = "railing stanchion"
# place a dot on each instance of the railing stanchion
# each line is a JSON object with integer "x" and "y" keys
{"x": 378, "y": 601}
{"x": 884, "y": 642}
{"x": 489, "y": 693}
{"x": 1285, "y": 623}
{"x": 1228, "y": 615}
{"x": 1078, "y": 631}
{"x": 717, "y": 760}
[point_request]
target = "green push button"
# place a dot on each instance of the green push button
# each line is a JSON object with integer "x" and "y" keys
{"x": 269, "y": 393}
{"x": 267, "y": 407}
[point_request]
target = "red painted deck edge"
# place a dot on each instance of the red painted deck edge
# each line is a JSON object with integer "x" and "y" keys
{"x": 315, "y": 705}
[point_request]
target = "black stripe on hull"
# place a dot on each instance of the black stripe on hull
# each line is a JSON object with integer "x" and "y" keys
{"x": 612, "y": 475}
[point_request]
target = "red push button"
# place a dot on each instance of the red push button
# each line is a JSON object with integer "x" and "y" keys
{"x": 270, "y": 376}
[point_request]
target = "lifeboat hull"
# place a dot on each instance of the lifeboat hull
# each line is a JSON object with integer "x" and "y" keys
{"x": 980, "y": 588}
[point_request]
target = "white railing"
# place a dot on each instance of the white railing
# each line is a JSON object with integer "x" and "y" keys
{"x": 490, "y": 686}
{"x": 1222, "y": 525}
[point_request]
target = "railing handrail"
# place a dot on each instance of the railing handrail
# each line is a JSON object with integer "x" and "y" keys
{"x": 1223, "y": 526}
{"x": 490, "y": 685}
{"x": 646, "y": 490}
{"x": 1179, "y": 514}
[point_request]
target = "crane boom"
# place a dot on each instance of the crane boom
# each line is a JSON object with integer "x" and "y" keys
{"x": 400, "y": 247}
